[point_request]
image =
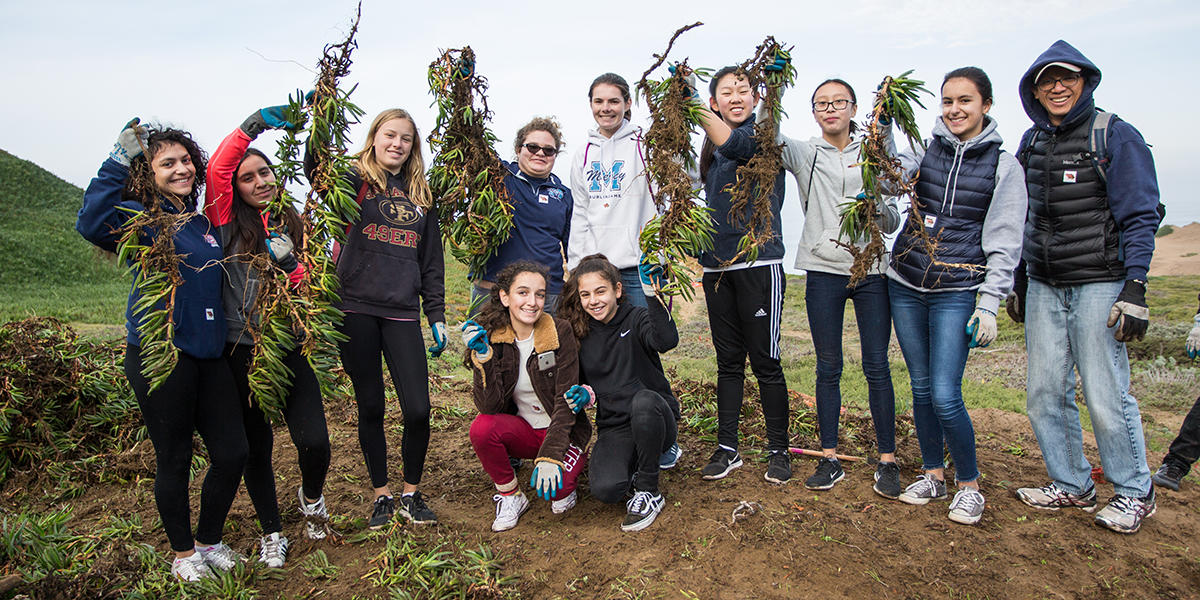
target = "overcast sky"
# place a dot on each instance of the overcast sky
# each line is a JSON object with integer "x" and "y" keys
{"x": 75, "y": 72}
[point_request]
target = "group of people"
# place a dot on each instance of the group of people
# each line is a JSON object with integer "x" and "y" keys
{"x": 1068, "y": 228}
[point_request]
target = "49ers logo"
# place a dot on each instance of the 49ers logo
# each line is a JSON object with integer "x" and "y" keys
{"x": 391, "y": 235}
{"x": 399, "y": 211}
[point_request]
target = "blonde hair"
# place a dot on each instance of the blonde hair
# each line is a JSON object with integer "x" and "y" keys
{"x": 414, "y": 165}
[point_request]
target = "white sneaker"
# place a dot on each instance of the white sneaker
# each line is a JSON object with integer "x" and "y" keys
{"x": 220, "y": 556}
{"x": 562, "y": 505}
{"x": 508, "y": 510}
{"x": 191, "y": 568}
{"x": 316, "y": 517}
{"x": 273, "y": 550}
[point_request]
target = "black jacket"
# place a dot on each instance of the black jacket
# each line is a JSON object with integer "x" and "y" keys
{"x": 620, "y": 358}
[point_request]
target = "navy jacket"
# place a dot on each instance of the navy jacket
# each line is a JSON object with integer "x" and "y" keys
{"x": 1132, "y": 182}
{"x": 541, "y": 225}
{"x": 198, "y": 316}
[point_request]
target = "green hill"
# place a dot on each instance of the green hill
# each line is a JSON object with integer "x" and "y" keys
{"x": 48, "y": 269}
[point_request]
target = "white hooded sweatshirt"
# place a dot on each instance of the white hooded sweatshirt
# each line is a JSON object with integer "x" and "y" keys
{"x": 611, "y": 191}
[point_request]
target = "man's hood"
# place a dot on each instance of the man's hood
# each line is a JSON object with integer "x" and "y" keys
{"x": 1060, "y": 51}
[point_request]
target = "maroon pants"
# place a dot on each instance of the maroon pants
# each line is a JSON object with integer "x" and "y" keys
{"x": 498, "y": 437}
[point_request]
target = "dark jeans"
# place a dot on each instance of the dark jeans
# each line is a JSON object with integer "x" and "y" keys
{"x": 305, "y": 418}
{"x": 199, "y": 395}
{"x": 744, "y": 309}
{"x": 1186, "y": 448}
{"x": 632, "y": 448}
{"x": 825, "y": 302}
{"x": 931, "y": 329}
{"x": 403, "y": 348}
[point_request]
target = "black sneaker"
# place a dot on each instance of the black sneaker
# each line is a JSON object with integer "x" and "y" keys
{"x": 779, "y": 467}
{"x": 829, "y": 472}
{"x": 722, "y": 462}
{"x": 414, "y": 509}
{"x": 1168, "y": 475}
{"x": 643, "y": 508}
{"x": 382, "y": 512}
{"x": 887, "y": 480}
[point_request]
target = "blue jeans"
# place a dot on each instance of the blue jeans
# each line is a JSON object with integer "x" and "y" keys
{"x": 825, "y": 299}
{"x": 631, "y": 287}
{"x": 931, "y": 329}
{"x": 1066, "y": 328}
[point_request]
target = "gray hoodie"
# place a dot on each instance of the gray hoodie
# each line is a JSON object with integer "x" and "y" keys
{"x": 827, "y": 178}
{"x": 1003, "y": 227}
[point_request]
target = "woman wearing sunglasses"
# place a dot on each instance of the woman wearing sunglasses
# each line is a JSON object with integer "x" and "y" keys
{"x": 541, "y": 210}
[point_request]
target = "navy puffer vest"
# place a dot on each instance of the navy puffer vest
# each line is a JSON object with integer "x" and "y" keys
{"x": 1070, "y": 234}
{"x": 953, "y": 193}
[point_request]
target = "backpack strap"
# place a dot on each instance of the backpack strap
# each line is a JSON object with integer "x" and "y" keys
{"x": 337, "y": 247}
{"x": 1026, "y": 146}
{"x": 1098, "y": 143}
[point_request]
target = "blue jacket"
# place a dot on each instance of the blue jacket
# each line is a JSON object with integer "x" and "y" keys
{"x": 541, "y": 225}
{"x": 199, "y": 319}
{"x": 735, "y": 152}
{"x": 1132, "y": 183}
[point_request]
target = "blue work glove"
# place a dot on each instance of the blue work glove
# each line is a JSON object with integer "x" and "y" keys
{"x": 981, "y": 327}
{"x": 580, "y": 397}
{"x": 279, "y": 247}
{"x": 546, "y": 479}
{"x": 271, "y": 117}
{"x": 690, "y": 79}
{"x": 651, "y": 276}
{"x": 464, "y": 67}
{"x": 130, "y": 142}
{"x": 475, "y": 338}
{"x": 1129, "y": 313}
{"x": 1193, "y": 339}
{"x": 439, "y": 339}
{"x": 782, "y": 59}
{"x": 885, "y": 119}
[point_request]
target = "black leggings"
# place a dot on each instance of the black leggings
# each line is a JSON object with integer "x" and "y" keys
{"x": 305, "y": 418}
{"x": 197, "y": 396}
{"x": 744, "y": 310}
{"x": 404, "y": 350}
{"x": 633, "y": 447}
{"x": 1185, "y": 449}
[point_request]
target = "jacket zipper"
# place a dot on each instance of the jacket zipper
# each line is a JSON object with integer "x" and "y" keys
{"x": 1050, "y": 153}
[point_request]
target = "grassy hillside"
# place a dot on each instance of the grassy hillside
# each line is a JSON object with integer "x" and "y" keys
{"x": 49, "y": 269}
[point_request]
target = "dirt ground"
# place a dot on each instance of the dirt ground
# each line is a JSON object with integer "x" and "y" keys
{"x": 845, "y": 543}
{"x": 1177, "y": 253}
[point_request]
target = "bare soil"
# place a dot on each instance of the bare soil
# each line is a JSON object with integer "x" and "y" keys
{"x": 1178, "y": 252}
{"x": 844, "y": 543}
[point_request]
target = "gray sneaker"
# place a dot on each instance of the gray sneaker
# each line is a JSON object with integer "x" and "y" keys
{"x": 925, "y": 488}
{"x": 967, "y": 506}
{"x": 1052, "y": 497}
{"x": 1124, "y": 514}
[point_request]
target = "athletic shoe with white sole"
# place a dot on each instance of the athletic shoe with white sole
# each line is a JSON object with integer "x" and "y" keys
{"x": 273, "y": 550}
{"x": 670, "y": 458}
{"x": 191, "y": 568}
{"x": 220, "y": 556}
{"x": 1124, "y": 514}
{"x": 887, "y": 480}
{"x": 415, "y": 510}
{"x": 829, "y": 471}
{"x": 722, "y": 462}
{"x": 967, "y": 506}
{"x": 381, "y": 512}
{"x": 779, "y": 467}
{"x": 562, "y": 505}
{"x": 316, "y": 517}
{"x": 1052, "y": 497}
{"x": 509, "y": 510}
{"x": 925, "y": 488}
{"x": 643, "y": 509}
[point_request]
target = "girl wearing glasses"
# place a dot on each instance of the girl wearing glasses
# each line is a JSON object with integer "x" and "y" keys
{"x": 828, "y": 174}
{"x": 541, "y": 211}
{"x": 610, "y": 186}
{"x": 970, "y": 199}
{"x": 391, "y": 268}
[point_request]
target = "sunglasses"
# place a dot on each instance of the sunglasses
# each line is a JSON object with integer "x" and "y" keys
{"x": 545, "y": 150}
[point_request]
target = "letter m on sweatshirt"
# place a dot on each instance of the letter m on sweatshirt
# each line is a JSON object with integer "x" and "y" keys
{"x": 612, "y": 178}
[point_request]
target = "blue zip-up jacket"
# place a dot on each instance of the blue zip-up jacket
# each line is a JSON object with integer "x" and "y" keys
{"x": 541, "y": 225}
{"x": 735, "y": 152}
{"x": 199, "y": 319}
{"x": 1132, "y": 182}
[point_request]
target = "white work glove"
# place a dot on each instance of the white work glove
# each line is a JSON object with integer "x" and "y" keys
{"x": 130, "y": 142}
{"x": 981, "y": 327}
{"x": 546, "y": 479}
{"x": 1193, "y": 339}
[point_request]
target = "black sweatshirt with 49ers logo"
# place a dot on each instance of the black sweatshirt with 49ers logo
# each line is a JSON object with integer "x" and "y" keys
{"x": 393, "y": 256}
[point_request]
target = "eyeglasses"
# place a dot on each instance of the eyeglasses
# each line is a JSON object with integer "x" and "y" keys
{"x": 839, "y": 104}
{"x": 545, "y": 150}
{"x": 1067, "y": 80}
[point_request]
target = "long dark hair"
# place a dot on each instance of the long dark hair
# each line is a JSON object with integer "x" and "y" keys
{"x": 708, "y": 149}
{"x": 570, "y": 308}
{"x": 140, "y": 170}
{"x": 618, "y": 82}
{"x": 976, "y": 76}
{"x": 850, "y": 90}
{"x": 494, "y": 315}
{"x": 248, "y": 232}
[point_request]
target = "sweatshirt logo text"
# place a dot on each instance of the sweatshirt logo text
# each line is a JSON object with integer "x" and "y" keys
{"x": 611, "y": 178}
{"x": 391, "y": 235}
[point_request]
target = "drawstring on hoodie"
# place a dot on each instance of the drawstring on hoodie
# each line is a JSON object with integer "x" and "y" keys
{"x": 952, "y": 177}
